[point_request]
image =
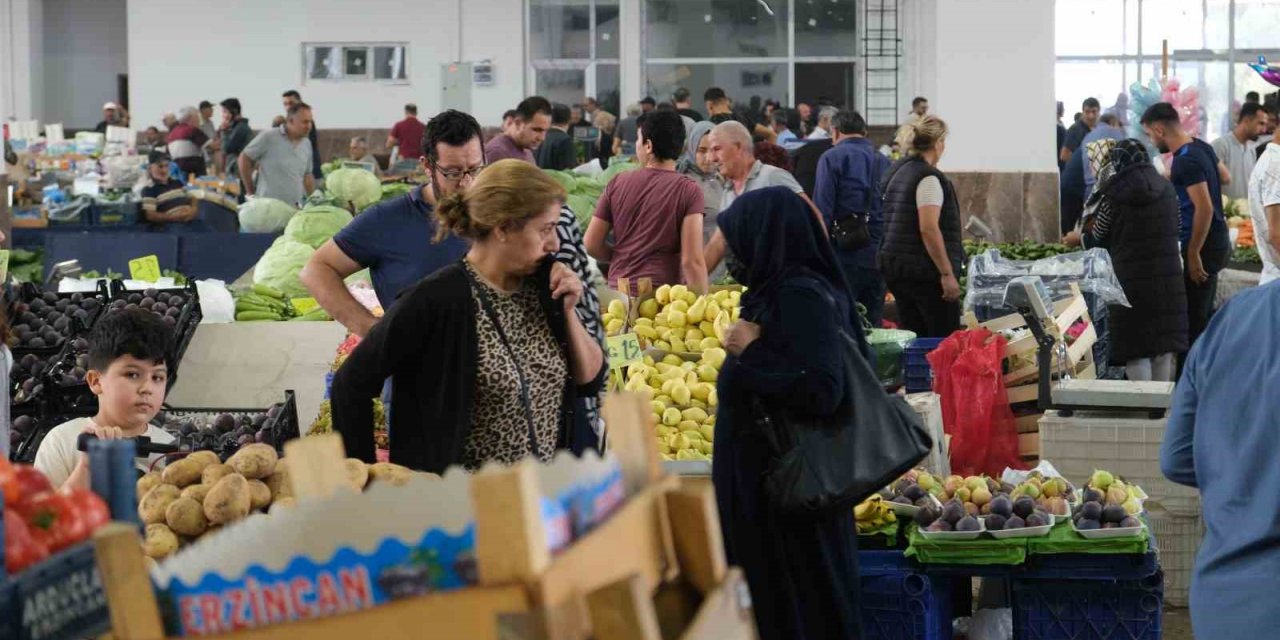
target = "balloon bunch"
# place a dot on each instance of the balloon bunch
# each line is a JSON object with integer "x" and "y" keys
{"x": 1270, "y": 73}
{"x": 1185, "y": 101}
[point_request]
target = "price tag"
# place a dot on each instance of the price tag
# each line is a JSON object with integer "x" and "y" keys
{"x": 4, "y": 264}
{"x": 302, "y": 305}
{"x": 146, "y": 268}
{"x": 624, "y": 350}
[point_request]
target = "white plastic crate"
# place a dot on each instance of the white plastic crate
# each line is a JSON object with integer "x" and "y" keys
{"x": 1178, "y": 539}
{"x": 1126, "y": 444}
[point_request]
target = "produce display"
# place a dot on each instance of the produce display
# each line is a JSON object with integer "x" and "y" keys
{"x": 48, "y": 320}
{"x": 614, "y": 318}
{"x": 1108, "y": 503}
{"x": 314, "y": 225}
{"x": 584, "y": 190}
{"x": 1025, "y": 250}
{"x": 677, "y": 320}
{"x": 265, "y": 215}
{"x": 168, "y": 305}
{"x": 263, "y": 302}
{"x": 683, "y": 396}
{"x": 199, "y": 493}
{"x": 381, "y": 436}
{"x": 39, "y": 521}
{"x": 355, "y": 188}
{"x": 873, "y": 514}
{"x": 224, "y": 433}
{"x": 280, "y": 265}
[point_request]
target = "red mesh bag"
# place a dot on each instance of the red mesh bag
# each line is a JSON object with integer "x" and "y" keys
{"x": 968, "y": 375}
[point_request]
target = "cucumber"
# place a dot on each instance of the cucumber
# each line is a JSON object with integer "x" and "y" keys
{"x": 268, "y": 291}
{"x": 251, "y": 316}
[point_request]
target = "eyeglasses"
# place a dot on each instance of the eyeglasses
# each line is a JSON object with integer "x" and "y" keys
{"x": 457, "y": 175}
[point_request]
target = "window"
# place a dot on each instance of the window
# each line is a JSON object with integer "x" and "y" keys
{"x": 355, "y": 62}
{"x": 716, "y": 28}
{"x": 573, "y": 50}
{"x": 748, "y": 83}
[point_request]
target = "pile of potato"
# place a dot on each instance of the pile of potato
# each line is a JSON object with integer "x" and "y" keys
{"x": 198, "y": 494}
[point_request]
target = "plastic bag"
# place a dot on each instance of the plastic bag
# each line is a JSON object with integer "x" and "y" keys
{"x": 216, "y": 303}
{"x": 967, "y": 370}
{"x": 989, "y": 273}
{"x": 887, "y": 345}
{"x": 991, "y": 624}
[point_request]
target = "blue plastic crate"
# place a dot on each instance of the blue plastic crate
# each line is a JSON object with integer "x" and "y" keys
{"x": 107, "y": 213}
{"x": 1088, "y": 609}
{"x": 884, "y": 562}
{"x": 905, "y": 606}
{"x": 917, "y": 372}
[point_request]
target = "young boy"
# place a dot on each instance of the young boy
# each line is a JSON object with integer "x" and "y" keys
{"x": 127, "y": 372}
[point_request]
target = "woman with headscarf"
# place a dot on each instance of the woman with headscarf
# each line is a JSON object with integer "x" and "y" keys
{"x": 1135, "y": 218}
{"x": 697, "y": 165}
{"x": 803, "y": 572}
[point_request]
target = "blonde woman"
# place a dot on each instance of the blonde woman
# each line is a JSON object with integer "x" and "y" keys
{"x": 487, "y": 355}
{"x": 921, "y": 254}
{"x": 608, "y": 124}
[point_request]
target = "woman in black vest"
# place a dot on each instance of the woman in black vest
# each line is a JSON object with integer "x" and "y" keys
{"x": 921, "y": 254}
{"x": 1135, "y": 218}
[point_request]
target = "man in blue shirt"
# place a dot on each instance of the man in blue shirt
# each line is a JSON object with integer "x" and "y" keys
{"x": 393, "y": 239}
{"x": 1197, "y": 177}
{"x": 787, "y": 139}
{"x": 848, "y": 184}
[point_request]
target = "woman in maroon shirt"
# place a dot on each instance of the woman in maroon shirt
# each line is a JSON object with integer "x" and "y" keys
{"x": 655, "y": 213}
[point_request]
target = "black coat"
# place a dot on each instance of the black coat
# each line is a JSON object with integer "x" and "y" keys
{"x": 902, "y": 252}
{"x": 1143, "y": 241}
{"x": 428, "y": 343}
{"x": 805, "y": 163}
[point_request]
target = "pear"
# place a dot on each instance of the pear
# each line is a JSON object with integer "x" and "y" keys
{"x": 696, "y": 415}
{"x": 649, "y": 309}
{"x": 708, "y": 373}
{"x": 697, "y": 311}
{"x": 981, "y": 496}
{"x": 617, "y": 309}
{"x": 1132, "y": 506}
{"x": 671, "y": 417}
{"x": 663, "y": 294}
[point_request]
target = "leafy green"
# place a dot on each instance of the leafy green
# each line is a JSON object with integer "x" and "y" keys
{"x": 315, "y": 225}
{"x": 280, "y": 265}
{"x": 395, "y": 190}
{"x": 359, "y": 187}
{"x": 584, "y": 191}
{"x": 265, "y": 215}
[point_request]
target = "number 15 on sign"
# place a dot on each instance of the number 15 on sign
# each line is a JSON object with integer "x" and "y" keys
{"x": 624, "y": 350}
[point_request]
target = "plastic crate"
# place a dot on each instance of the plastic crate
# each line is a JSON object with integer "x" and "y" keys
{"x": 283, "y": 427}
{"x": 886, "y": 562}
{"x": 1087, "y": 609}
{"x": 917, "y": 372}
{"x": 1126, "y": 444}
{"x": 62, "y": 597}
{"x": 118, "y": 213}
{"x": 905, "y": 606}
{"x": 1180, "y": 537}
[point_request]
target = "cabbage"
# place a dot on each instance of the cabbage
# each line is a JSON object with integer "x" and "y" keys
{"x": 357, "y": 186}
{"x": 615, "y": 168}
{"x": 583, "y": 208}
{"x": 395, "y": 190}
{"x": 265, "y": 215}
{"x": 565, "y": 178}
{"x": 280, "y": 265}
{"x": 315, "y": 225}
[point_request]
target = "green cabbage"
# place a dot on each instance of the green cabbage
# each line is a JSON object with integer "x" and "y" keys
{"x": 395, "y": 190}
{"x": 265, "y": 215}
{"x": 280, "y": 265}
{"x": 565, "y": 178}
{"x": 315, "y": 225}
{"x": 357, "y": 186}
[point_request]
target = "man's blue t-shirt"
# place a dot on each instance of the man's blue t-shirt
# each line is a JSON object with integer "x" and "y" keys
{"x": 1194, "y": 163}
{"x": 394, "y": 241}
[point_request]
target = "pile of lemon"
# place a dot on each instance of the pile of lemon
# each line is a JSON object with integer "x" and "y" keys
{"x": 676, "y": 319}
{"x": 682, "y": 394}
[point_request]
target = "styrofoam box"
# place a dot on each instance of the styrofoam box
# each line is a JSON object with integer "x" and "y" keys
{"x": 1178, "y": 540}
{"x": 1126, "y": 444}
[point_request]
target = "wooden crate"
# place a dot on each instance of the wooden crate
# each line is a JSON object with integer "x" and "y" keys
{"x": 664, "y": 540}
{"x": 1021, "y": 381}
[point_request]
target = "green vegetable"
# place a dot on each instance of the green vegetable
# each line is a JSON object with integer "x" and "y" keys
{"x": 270, "y": 292}
{"x": 315, "y": 315}
{"x": 280, "y": 265}
{"x": 359, "y": 187}
{"x": 1246, "y": 255}
{"x": 315, "y": 225}
{"x": 251, "y": 316}
{"x": 265, "y": 215}
{"x": 395, "y": 190}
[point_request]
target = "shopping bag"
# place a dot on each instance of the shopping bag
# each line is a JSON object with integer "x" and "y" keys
{"x": 968, "y": 375}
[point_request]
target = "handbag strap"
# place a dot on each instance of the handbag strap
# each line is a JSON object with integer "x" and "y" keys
{"x": 526, "y": 396}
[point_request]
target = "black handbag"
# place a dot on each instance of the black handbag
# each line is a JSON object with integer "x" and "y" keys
{"x": 825, "y": 463}
{"x": 851, "y": 232}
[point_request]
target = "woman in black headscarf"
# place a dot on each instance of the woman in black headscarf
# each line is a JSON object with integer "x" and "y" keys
{"x": 1135, "y": 218}
{"x": 803, "y": 572}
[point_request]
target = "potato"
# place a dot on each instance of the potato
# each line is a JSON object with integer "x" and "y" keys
{"x": 204, "y": 459}
{"x": 283, "y": 502}
{"x": 390, "y": 472}
{"x": 185, "y": 516}
{"x": 279, "y": 483}
{"x": 282, "y": 466}
{"x": 259, "y": 495}
{"x": 254, "y": 461}
{"x": 215, "y": 472}
{"x": 147, "y": 483}
{"x": 197, "y": 492}
{"x": 161, "y": 542}
{"x": 152, "y": 507}
{"x": 182, "y": 473}
{"x": 357, "y": 473}
{"x": 228, "y": 500}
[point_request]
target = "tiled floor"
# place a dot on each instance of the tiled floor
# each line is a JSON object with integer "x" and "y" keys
{"x": 1176, "y": 624}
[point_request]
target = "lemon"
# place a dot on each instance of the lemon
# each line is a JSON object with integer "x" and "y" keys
{"x": 690, "y": 379}
{"x": 671, "y": 417}
{"x": 649, "y": 309}
{"x": 662, "y": 295}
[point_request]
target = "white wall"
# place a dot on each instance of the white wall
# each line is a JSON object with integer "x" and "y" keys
{"x": 84, "y": 51}
{"x": 21, "y": 65}
{"x": 253, "y": 50}
{"x": 992, "y": 81}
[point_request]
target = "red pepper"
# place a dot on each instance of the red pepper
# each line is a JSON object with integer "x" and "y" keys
{"x": 21, "y": 550}
{"x": 25, "y": 483}
{"x": 91, "y": 508}
{"x": 53, "y": 521}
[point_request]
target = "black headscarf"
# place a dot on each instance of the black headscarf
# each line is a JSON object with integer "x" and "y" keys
{"x": 774, "y": 237}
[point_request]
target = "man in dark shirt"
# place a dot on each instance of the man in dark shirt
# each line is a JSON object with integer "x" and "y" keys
{"x": 684, "y": 104}
{"x": 557, "y": 151}
{"x": 292, "y": 97}
{"x": 848, "y": 183}
{"x": 164, "y": 201}
{"x": 1062, "y": 138}
{"x": 1090, "y": 111}
{"x": 1206, "y": 243}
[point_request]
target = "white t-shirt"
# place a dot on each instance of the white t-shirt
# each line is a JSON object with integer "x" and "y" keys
{"x": 57, "y": 456}
{"x": 1264, "y": 191}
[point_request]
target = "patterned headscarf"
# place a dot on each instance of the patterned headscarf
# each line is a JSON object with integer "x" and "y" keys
{"x": 1120, "y": 155}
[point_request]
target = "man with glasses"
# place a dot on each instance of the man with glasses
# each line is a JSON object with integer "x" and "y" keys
{"x": 393, "y": 239}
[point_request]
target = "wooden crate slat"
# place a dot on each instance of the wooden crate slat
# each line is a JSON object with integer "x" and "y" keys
{"x": 723, "y": 616}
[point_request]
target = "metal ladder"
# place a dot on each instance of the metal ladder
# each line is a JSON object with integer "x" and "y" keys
{"x": 882, "y": 56}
